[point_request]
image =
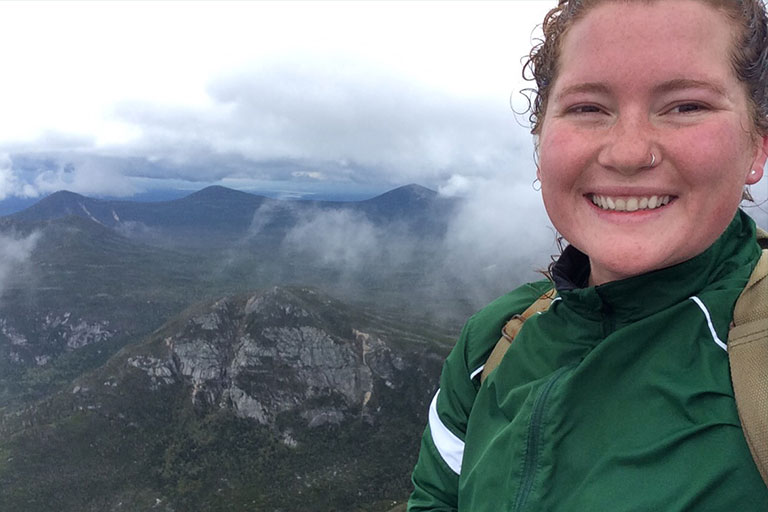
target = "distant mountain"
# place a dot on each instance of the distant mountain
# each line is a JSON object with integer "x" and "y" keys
{"x": 423, "y": 209}
{"x": 211, "y": 208}
{"x": 284, "y": 399}
{"x": 217, "y": 213}
{"x": 408, "y": 197}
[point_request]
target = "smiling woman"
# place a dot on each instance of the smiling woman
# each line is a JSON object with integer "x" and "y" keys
{"x": 650, "y": 119}
{"x": 625, "y": 126}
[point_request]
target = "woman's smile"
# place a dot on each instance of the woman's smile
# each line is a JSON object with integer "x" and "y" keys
{"x": 630, "y": 203}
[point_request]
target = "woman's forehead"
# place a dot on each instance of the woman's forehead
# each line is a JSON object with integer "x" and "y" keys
{"x": 674, "y": 39}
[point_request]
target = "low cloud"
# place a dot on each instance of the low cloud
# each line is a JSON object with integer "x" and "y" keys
{"x": 337, "y": 238}
{"x": 40, "y": 174}
{"x": 10, "y": 183}
{"x": 85, "y": 177}
{"x": 496, "y": 239}
{"x": 15, "y": 251}
{"x": 349, "y": 243}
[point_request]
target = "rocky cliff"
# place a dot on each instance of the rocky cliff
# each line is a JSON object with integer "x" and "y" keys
{"x": 284, "y": 399}
{"x": 285, "y": 350}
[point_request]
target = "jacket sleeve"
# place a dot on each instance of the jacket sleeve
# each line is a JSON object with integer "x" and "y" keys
{"x": 436, "y": 475}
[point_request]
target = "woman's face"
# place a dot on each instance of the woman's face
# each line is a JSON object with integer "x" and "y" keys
{"x": 638, "y": 78}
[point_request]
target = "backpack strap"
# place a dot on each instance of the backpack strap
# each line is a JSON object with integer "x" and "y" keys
{"x": 748, "y": 358}
{"x": 510, "y": 330}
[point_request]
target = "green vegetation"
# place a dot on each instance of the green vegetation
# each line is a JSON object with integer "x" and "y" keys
{"x": 83, "y": 431}
{"x": 207, "y": 461}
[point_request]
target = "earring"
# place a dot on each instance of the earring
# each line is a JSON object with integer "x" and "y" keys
{"x": 536, "y": 185}
{"x": 753, "y": 172}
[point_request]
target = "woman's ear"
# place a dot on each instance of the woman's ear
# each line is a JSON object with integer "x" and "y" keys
{"x": 758, "y": 165}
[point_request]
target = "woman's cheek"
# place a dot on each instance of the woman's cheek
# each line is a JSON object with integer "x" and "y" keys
{"x": 557, "y": 152}
{"x": 706, "y": 153}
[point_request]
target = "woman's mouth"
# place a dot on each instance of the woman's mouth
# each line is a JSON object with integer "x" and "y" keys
{"x": 629, "y": 203}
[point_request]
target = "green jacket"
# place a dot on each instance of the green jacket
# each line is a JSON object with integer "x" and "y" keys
{"x": 618, "y": 398}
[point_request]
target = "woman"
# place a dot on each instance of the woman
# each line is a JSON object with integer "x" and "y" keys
{"x": 650, "y": 119}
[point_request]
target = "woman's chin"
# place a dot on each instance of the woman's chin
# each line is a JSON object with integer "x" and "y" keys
{"x": 622, "y": 263}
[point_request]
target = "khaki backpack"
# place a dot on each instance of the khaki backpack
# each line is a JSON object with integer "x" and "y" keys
{"x": 747, "y": 354}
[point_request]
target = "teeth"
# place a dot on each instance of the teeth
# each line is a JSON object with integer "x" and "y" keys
{"x": 629, "y": 204}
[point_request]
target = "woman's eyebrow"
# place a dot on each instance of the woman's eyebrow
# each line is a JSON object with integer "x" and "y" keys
{"x": 587, "y": 87}
{"x": 687, "y": 83}
{"x": 668, "y": 86}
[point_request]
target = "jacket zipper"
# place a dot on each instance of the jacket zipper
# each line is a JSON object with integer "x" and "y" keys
{"x": 609, "y": 320}
{"x": 534, "y": 440}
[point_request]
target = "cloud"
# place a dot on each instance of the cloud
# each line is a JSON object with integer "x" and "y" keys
{"x": 10, "y": 183}
{"x": 499, "y": 237}
{"x": 338, "y": 238}
{"x": 85, "y": 177}
{"x": 496, "y": 239}
{"x": 306, "y": 120}
{"x": 39, "y": 174}
{"x": 15, "y": 251}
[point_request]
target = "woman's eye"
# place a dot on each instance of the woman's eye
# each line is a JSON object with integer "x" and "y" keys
{"x": 584, "y": 109}
{"x": 686, "y": 108}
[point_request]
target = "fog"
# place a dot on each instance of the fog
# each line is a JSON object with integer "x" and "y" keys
{"x": 15, "y": 252}
{"x": 497, "y": 238}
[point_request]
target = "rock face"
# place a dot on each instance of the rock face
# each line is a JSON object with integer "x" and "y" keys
{"x": 283, "y": 350}
{"x": 47, "y": 335}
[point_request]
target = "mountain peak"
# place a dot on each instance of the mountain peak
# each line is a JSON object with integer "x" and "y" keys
{"x": 411, "y": 191}
{"x": 405, "y": 197}
{"x": 57, "y": 205}
{"x": 64, "y": 193}
{"x": 218, "y": 193}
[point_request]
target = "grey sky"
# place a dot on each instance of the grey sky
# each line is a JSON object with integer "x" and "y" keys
{"x": 113, "y": 97}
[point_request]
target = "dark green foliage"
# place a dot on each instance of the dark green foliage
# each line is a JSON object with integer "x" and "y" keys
{"x": 215, "y": 461}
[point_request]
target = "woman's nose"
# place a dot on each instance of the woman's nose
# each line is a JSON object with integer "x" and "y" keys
{"x": 628, "y": 146}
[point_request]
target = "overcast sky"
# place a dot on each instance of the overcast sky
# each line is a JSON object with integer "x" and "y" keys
{"x": 115, "y": 98}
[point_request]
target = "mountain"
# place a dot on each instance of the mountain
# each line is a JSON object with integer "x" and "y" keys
{"x": 214, "y": 211}
{"x": 282, "y": 399}
{"x": 140, "y": 371}
{"x": 217, "y": 213}
{"x": 408, "y": 199}
{"x": 95, "y": 280}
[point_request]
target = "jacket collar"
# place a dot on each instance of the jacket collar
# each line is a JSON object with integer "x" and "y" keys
{"x": 631, "y": 299}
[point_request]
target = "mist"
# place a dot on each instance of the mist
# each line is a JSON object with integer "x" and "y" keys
{"x": 496, "y": 238}
{"x": 15, "y": 252}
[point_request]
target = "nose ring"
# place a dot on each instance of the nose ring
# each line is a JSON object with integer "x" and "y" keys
{"x": 653, "y": 160}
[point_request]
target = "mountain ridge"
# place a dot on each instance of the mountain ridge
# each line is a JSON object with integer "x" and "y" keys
{"x": 219, "y": 215}
{"x": 63, "y": 203}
